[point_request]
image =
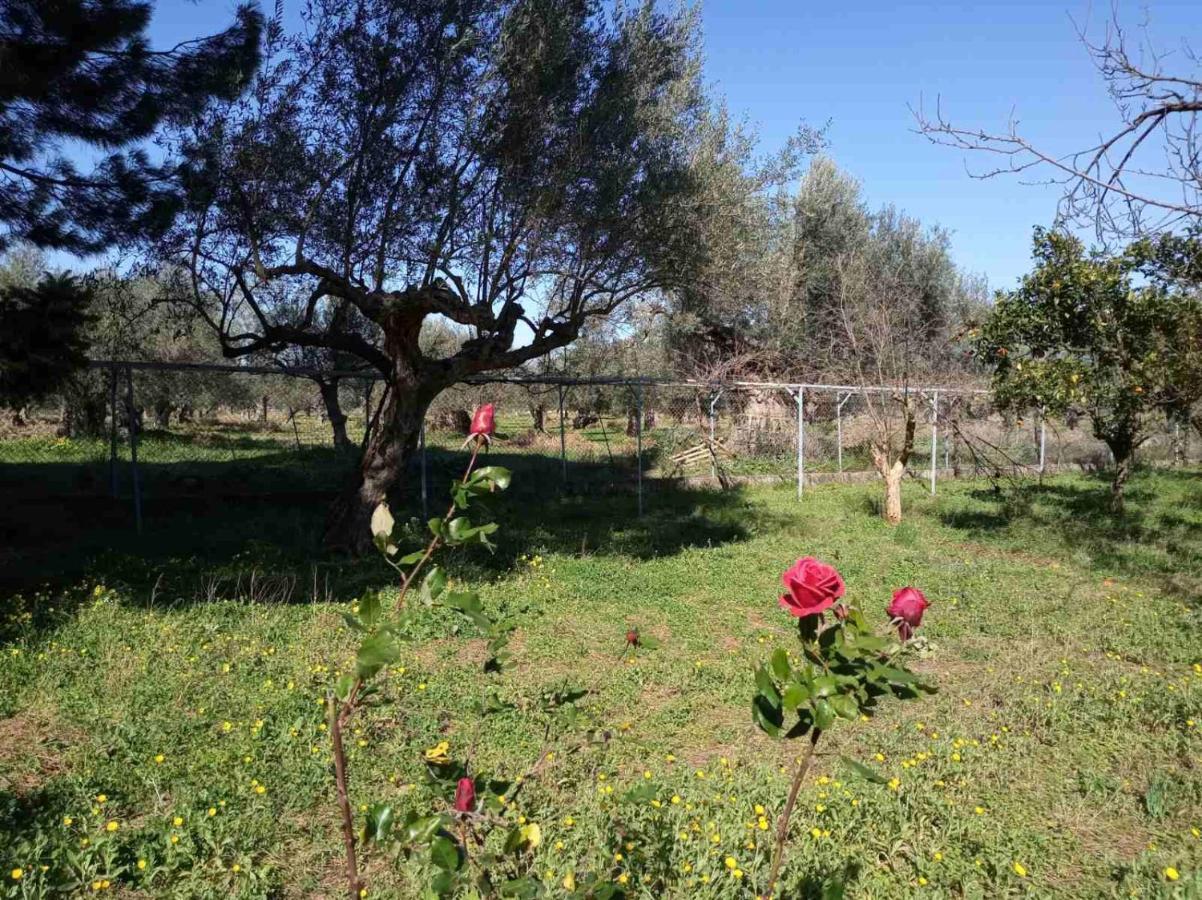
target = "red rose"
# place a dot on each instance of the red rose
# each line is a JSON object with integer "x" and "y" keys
{"x": 465, "y": 795}
{"x": 906, "y": 609}
{"x": 483, "y": 421}
{"x": 632, "y": 637}
{"x": 812, "y": 585}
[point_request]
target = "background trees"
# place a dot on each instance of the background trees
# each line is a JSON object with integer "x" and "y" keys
{"x": 1114, "y": 336}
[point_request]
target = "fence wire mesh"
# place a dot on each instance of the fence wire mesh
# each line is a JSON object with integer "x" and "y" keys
{"x": 158, "y": 431}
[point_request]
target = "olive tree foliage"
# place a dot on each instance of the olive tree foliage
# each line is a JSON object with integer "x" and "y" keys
{"x": 731, "y": 319}
{"x": 1116, "y": 336}
{"x": 517, "y": 167}
{"x": 888, "y": 328}
{"x": 774, "y": 298}
{"x": 1141, "y": 176}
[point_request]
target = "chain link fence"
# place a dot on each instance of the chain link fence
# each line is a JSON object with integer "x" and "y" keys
{"x": 154, "y": 430}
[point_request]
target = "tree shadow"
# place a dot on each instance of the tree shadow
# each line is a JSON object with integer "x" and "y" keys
{"x": 251, "y": 529}
{"x": 1158, "y": 536}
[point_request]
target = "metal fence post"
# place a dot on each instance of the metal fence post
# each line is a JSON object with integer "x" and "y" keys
{"x": 713, "y": 445}
{"x": 133, "y": 446}
{"x": 113, "y": 431}
{"x": 563, "y": 447}
{"x": 421, "y": 438}
{"x": 638, "y": 437}
{"x": 1043, "y": 440}
{"x": 934, "y": 435}
{"x": 801, "y": 440}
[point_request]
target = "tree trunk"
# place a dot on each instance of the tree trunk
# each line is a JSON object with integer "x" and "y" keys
{"x": 538, "y": 412}
{"x": 894, "y": 470}
{"x": 893, "y": 483}
{"x": 382, "y": 469}
{"x": 1123, "y": 464}
{"x": 162, "y": 415}
{"x": 329, "y": 397}
{"x": 1122, "y": 443}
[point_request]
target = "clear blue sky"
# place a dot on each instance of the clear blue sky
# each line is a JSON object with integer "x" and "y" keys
{"x": 858, "y": 65}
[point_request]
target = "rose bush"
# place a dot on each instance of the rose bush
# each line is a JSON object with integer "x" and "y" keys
{"x": 842, "y": 671}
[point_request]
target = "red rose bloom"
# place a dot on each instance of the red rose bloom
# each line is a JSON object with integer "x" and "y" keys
{"x": 483, "y": 422}
{"x": 813, "y": 586}
{"x": 906, "y": 609}
{"x": 465, "y": 795}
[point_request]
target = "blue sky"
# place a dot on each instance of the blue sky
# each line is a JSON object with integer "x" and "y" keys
{"x": 858, "y": 65}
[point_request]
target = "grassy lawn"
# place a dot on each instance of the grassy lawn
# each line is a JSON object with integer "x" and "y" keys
{"x": 179, "y": 676}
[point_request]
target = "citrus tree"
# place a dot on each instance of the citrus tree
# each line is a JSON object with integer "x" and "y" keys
{"x": 1108, "y": 335}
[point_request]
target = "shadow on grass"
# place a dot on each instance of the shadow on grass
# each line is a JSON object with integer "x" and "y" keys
{"x": 208, "y": 535}
{"x": 1159, "y": 534}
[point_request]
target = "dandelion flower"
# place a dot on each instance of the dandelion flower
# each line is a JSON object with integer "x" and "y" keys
{"x": 1020, "y": 870}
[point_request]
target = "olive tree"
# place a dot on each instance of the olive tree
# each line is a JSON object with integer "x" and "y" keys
{"x": 516, "y": 167}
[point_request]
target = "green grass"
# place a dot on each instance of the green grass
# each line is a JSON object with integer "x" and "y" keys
{"x": 1063, "y": 738}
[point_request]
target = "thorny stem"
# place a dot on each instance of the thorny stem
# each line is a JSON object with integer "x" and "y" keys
{"x": 344, "y": 805}
{"x": 782, "y": 825}
{"x": 340, "y": 713}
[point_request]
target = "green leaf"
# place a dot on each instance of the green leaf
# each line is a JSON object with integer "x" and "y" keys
{"x": 894, "y": 675}
{"x": 763, "y": 681}
{"x": 524, "y": 888}
{"x": 795, "y": 694}
{"x": 352, "y": 621}
{"x": 780, "y": 664}
{"x": 443, "y": 883}
{"x": 498, "y": 476}
{"x": 767, "y": 716}
{"x": 419, "y": 831}
{"x": 375, "y": 653}
{"x": 445, "y": 854}
{"x": 823, "y": 686}
{"x": 437, "y": 527}
{"x": 370, "y": 608}
{"x": 410, "y": 558}
{"x": 845, "y": 706}
{"x": 433, "y": 584}
{"x": 866, "y": 772}
{"x": 377, "y": 822}
{"x": 342, "y": 687}
{"x": 824, "y": 715}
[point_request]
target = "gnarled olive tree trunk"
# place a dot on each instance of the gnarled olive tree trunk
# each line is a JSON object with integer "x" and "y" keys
{"x": 381, "y": 472}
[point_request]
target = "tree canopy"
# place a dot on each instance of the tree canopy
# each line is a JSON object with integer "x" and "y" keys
{"x": 1118, "y": 337}
{"x": 82, "y": 72}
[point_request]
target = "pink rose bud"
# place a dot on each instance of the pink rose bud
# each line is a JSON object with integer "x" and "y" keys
{"x": 906, "y": 609}
{"x": 813, "y": 586}
{"x": 841, "y": 612}
{"x": 465, "y": 795}
{"x": 632, "y": 636}
{"x": 483, "y": 422}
